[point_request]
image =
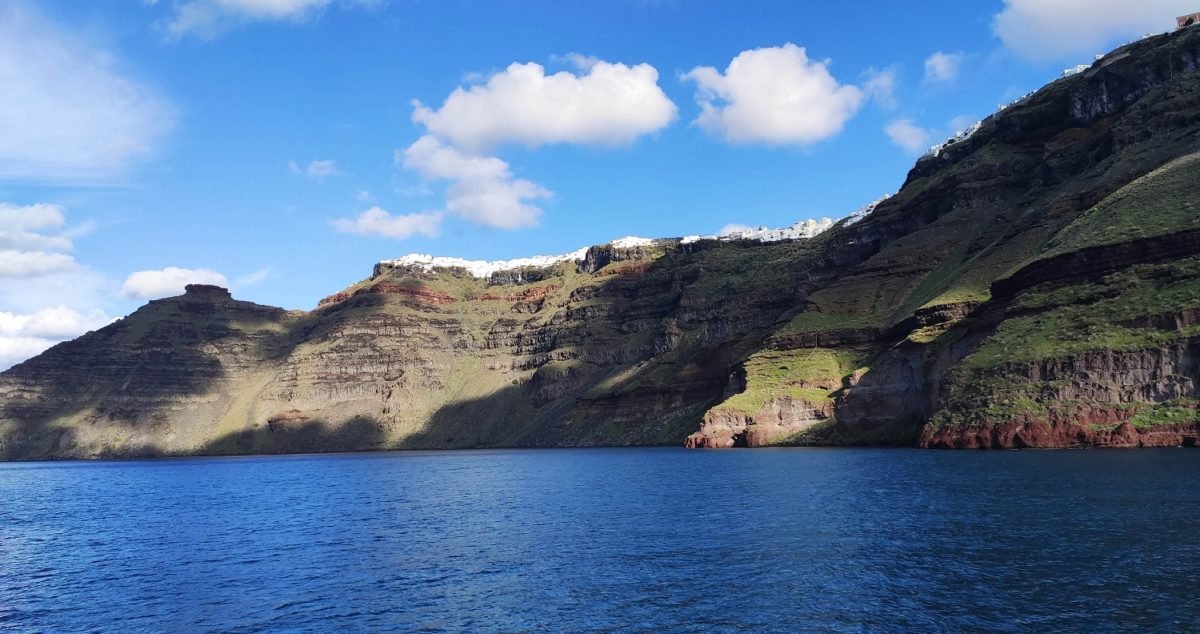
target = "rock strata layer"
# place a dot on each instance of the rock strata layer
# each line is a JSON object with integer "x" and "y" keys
{"x": 1033, "y": 284}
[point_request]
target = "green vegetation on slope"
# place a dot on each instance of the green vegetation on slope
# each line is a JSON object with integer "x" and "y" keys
{"x": 1127, "y": 311}
{"x": 1159, "y": 203}
{"x": 807, "y": 374}
{"x": 1177, "y": 412}
{"x": 1060, "y": 321}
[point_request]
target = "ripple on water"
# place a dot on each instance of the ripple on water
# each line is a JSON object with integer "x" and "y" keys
{"x": 599, "y": 540}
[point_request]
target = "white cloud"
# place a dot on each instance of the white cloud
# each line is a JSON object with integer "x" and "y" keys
{"x": 437, "y": 161}
{"x": 609, "y": 104}
{"x": 68, "y": 113}
{"x": 46, "y": 294}
{"x": 943, "y": 68}
{"x": 776, "y": 96}
{"x": 908, "y": 135}
{"x": 22, "y": 228}
{"x": 252, "y": 278}
{"x": 32, "y": 241}
{"x": 80, "y": 288}
{"x": 58, "y": 322}
{"x": 363, "y": 195}
{"x": 25, "y": 264}
{"x": 482, "y": 189}
{"x": 317, "y": 170}
{"x": 14, "y": 350}
{"x": 25, "y": 335}
{"x": 35, "y": 271}
{"x": 378, "y": 222}
{"x": 28, "y": 241}
{"x": 1077, "y": 29}
{"x": 880, "y": 85}
{"x": 602, "y": 104}
{"x": 167, "y": 282}
{"x": 30, "y": 217}
{"x": 209, "y": 18}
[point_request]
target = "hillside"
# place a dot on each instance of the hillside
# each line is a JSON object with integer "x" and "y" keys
{"x": 1035, "y": 284}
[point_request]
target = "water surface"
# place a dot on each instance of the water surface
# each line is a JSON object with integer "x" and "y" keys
{"x": 605, "y": 540}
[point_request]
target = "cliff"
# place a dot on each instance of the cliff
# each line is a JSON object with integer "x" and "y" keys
{"x": 1033, "y": 284}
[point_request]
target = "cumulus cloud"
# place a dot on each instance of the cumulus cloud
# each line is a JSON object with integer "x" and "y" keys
{"x": 482, "y": 189}
{"x": 24, "y": 264}
{"x": 1077, "y": 29}
{"x": 30, "y": 217}
{"x": 207, "y": 19}
{"x": 22, "y": 228}
{"x": 318, "y": 170}
{"x": 378, "y": 222}
{"x": 32, "y": 241}
{"x": 68, "y": 113}
{"x": 29, "y": 241}
{"x": 168, "y": 282}
{"x": 601, "y": 104}
{"x": 776, "y": 96}
{"x": 608, "y": 104}
{"x": 25, "y": 335}
{"x": 48, "y": 296}
{"x": 943, "y": 68}
{"x": 57, "y": 323}
{"x": 908, "y": 135}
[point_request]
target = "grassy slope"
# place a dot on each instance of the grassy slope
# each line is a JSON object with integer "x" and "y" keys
{"x": 713, "y": 285}
{"x": 1062, "y": 321}
{"x": 1164, "y": 201}
{"x": 998, "y": 223}
{"x": 809, "y": 374}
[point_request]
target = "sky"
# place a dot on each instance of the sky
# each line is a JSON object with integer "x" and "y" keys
{"x": 281, "y": 147}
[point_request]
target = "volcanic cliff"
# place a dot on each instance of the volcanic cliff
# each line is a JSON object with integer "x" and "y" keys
{"x": 1033, "y": 284}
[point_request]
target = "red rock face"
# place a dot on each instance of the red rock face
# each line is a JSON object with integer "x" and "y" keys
{"x": 1090, "y": 427}
{"x": 536, "y": 294}
{"x": 340, "y": 296}
{"x": 419, "y": 293}
{"x": 701, "y": 440}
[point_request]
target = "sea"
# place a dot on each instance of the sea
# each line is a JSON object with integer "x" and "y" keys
{"x": 606, "y": 540}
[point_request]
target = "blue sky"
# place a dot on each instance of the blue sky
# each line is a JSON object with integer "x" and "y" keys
{"x": 284, "y": 146}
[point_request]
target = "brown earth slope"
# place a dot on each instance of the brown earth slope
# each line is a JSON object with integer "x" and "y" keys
{"x": 1035, "y": 284}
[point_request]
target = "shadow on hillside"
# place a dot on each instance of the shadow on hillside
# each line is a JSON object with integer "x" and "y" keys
{"x": 312, "y": 436}
{"x": 660, "y": 406}
{"x": 125, "y": 374}
{"x": 135, "y": 368}
{"x": 673, "y": 329}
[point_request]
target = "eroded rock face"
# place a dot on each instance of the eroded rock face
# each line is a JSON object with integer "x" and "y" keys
{"x": 775, "y": 421}
{"x": 1092, "y": 400}
{"x": 637, "y": 344}
{"x": 206, "y": 293}
{"x": 126, "y": 388}
{"x": 1088, "y": 429}
{"x": 402, "y": 360}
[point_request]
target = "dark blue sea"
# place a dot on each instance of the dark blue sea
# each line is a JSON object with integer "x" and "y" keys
{"x": 629, "y": 540}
